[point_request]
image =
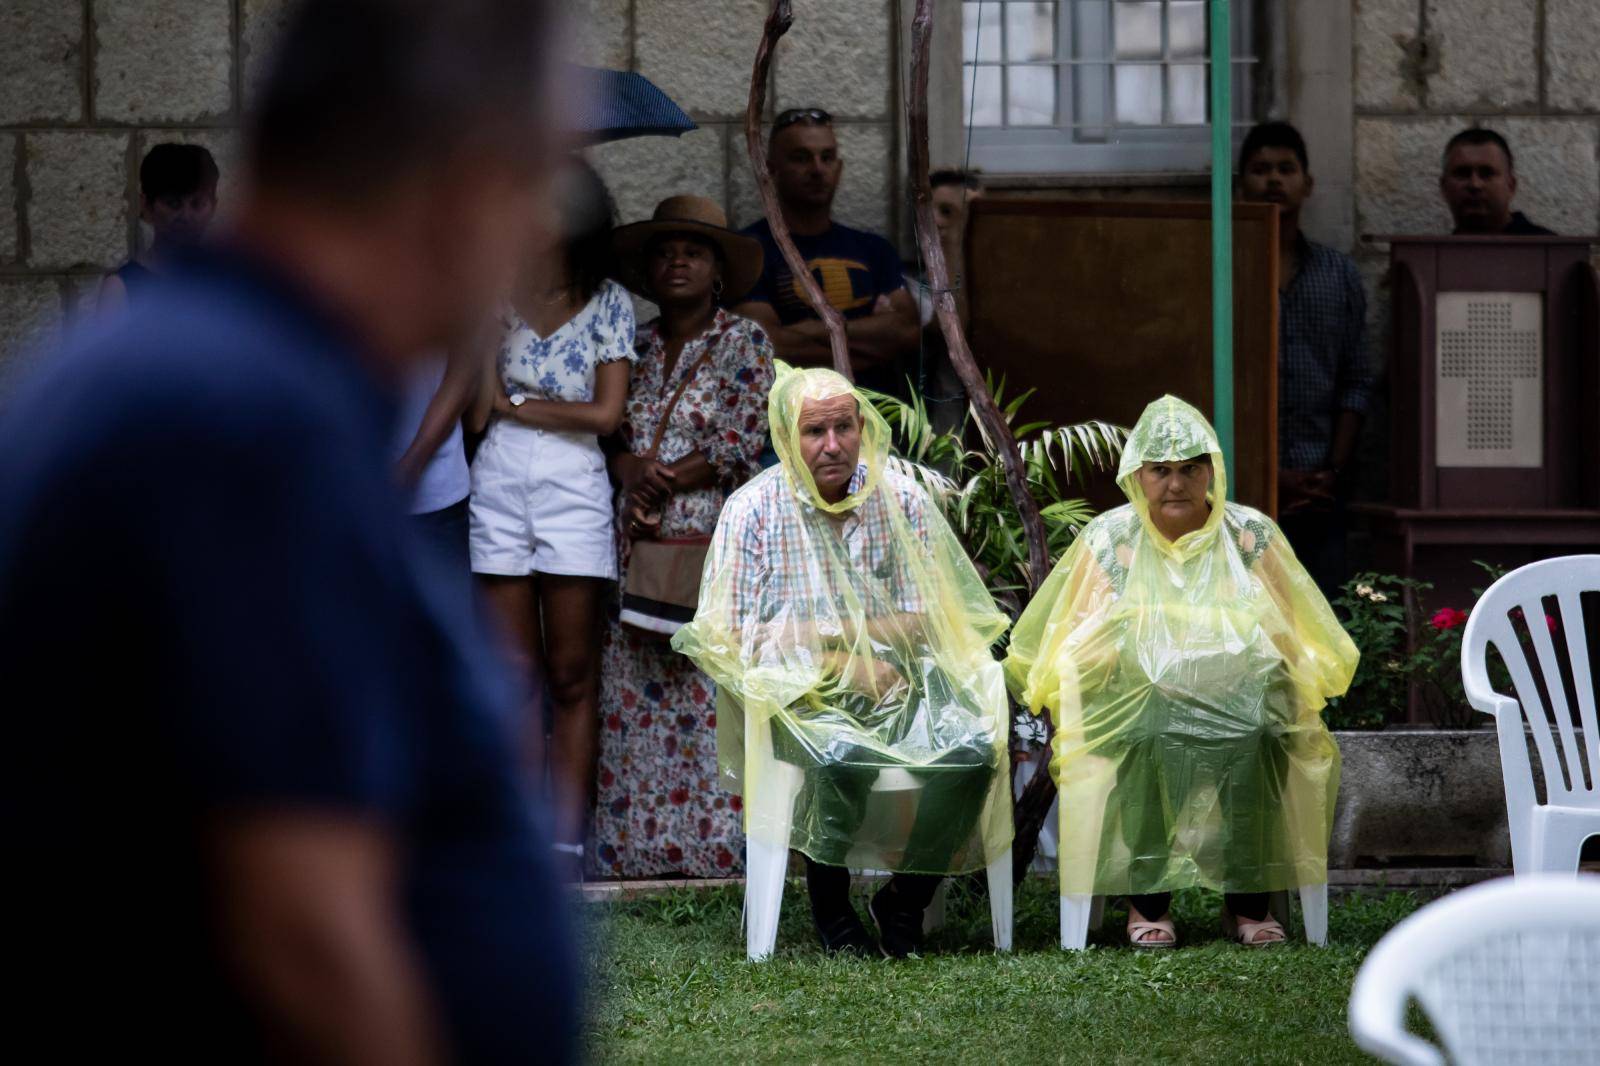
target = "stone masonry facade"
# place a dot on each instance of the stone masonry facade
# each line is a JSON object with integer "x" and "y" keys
{"x": 1427, "y": 68}
{"x": 86, "y": 86}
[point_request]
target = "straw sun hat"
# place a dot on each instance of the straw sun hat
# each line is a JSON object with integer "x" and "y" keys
{"x": 742, "y": 259}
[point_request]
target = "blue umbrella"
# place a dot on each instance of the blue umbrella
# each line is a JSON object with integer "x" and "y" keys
{"x": 611, "y": 105}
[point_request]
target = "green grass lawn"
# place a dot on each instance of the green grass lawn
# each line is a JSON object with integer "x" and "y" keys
{"x": 671, "y": 984}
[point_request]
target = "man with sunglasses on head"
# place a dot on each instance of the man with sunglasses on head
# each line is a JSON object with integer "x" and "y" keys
{"x": 859, "y": 272}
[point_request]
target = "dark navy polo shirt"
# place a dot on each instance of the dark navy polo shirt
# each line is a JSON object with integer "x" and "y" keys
{"x": 210, "y": 603}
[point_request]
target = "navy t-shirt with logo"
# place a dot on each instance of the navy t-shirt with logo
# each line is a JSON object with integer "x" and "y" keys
{"x": 852, "y": 267}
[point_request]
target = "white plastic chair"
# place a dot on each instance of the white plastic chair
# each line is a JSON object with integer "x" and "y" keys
{"x": 766, "y": 863}
{"x": 1545, "y": 837}
{"x": 1507, "y": 972}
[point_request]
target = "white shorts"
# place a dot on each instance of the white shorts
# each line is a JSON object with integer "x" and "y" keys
{"x": 541, "y": 502}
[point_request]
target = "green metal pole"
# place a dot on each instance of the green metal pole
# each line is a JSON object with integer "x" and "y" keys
{"x": 1222, "y": 227}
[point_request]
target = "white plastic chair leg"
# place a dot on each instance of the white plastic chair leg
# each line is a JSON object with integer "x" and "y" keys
{"x": 1558, "y": 839}
{"x": 1000, "y": 900}
{"x": 933, "y": 917}
{"x": 1075, "y": 914}
{"x": 768, "y": 812}
{"x": 1314, "y": 912}
{"x": 765, "y": 866}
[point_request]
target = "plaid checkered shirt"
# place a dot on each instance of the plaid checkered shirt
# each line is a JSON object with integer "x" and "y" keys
{"x": 769, "y": 529}
{"x": 1323, "y": 367}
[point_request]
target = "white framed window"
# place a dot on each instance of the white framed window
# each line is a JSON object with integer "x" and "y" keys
{"x": 1097, "y": 86}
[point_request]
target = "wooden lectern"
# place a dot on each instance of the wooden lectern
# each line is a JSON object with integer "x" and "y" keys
{"x": 1103, "y": 305}
{"x": 1495, "y": 402}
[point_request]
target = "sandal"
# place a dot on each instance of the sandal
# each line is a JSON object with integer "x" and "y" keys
{"x": 1262, "y": 934}
{"x": 1139, "y": 930}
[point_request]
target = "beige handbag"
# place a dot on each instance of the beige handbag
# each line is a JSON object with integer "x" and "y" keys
{"x": 662, "y": 589}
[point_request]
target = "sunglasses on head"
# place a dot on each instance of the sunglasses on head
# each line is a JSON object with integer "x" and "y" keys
{"x": 801, "y": 114}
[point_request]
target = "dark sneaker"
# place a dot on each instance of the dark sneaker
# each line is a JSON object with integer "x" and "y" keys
{"x": 843, "y": 934}
{"x": 899, "y": 926}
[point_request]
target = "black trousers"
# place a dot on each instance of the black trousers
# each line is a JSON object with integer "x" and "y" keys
{"x": 833, "y": 803}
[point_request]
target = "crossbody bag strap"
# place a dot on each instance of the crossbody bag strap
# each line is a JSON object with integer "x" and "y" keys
{"x": 672, "y": 404}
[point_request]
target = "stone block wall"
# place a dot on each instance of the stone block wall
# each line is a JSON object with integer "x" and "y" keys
{"x": 1425, "y": 69}
{"x": 839, "y": 56}
{"x": 87, "y": 86}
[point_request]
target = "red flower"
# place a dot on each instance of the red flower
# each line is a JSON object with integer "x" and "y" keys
{"x": 679, "y": 796}
{"x": 629, "y": 699}
{"x": 607, "y": 778}
{"x": 1449, "y": 618}
{"x": 674, "y": 853}
{"x": 736, "y": 802}
{"x": 724, "y": 858}
{"x": 614, "y": 723}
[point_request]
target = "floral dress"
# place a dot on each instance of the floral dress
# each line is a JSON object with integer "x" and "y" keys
{"x": 658, "y": 808}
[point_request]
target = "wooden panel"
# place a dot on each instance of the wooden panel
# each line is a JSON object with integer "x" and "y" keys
{"x": 1104, "y": 306}
{"x": 1570, "y": 392}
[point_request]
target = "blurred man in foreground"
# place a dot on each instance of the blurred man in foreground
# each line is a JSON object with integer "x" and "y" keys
{"x": 262, "y": 794}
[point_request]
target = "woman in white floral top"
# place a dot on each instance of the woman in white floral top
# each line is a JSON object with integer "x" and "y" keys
{"x": 659, "y": 810}
{"x": 541, "y": 520}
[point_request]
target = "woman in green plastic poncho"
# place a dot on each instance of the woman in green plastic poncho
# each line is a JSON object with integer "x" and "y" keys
{"x": 1185, "y": 654}
{"x": 861, "y": 715}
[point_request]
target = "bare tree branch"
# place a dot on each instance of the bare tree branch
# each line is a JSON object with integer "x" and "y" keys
{"x": 990, "y": 421}
{"x": 1033, "y": 805}
{"x": 778, "y": 23}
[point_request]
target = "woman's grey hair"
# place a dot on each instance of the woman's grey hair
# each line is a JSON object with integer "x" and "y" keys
{"x": 362, "y": 92}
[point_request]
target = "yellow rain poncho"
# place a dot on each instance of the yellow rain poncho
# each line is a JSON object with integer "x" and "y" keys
{"x": 1185, "y": 678}
{"x": 861, "y": 713}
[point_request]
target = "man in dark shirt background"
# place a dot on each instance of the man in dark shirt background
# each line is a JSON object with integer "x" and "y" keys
{"x": 1324, "y": 375}
{"x": 262, "y": 800}
{"x": 858, "y": 272}
{"x": 1478, "y": 181}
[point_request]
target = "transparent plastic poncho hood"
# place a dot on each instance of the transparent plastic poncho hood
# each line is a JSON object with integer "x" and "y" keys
{"x": 1186, "y": 680}
{"x": 861, "y": 715}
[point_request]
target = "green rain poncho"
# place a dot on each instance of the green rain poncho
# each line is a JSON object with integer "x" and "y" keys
{"x": 861, "y": 713}
{"x": 1185, "y": 678}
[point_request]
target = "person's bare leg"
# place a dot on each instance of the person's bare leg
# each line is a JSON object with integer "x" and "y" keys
{"x": 514, "y": 603}
{"x": 571, "y": 608}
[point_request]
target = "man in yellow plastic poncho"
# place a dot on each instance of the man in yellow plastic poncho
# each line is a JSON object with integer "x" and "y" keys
{"x": 1185, "y": 654}
{"x": 862, "y": 716}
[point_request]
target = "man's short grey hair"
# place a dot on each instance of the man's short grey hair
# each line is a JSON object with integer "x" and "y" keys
{"x": 361, "y": 92}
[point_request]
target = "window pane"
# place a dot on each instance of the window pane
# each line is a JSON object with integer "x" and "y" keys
{"x": 1186, "y": 28}
{"x": 986, "y": 39}
{"x": 1030, "y": 31}
{"x": 983, "y": 107}
{"x": 1138, "y": 31}
{"x": 1031, "y": 96}
{"x": 1139, "y": 96}
{"x": 1187, "y": 88}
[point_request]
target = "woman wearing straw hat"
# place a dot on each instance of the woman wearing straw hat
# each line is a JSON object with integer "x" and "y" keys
{"x": 693, "y": 429}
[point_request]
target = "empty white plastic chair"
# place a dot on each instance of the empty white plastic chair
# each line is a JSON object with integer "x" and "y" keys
{"x": 767, "y": 863}
{"x": 1545, "y": 837}
{"x": 1507, "y": 972}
